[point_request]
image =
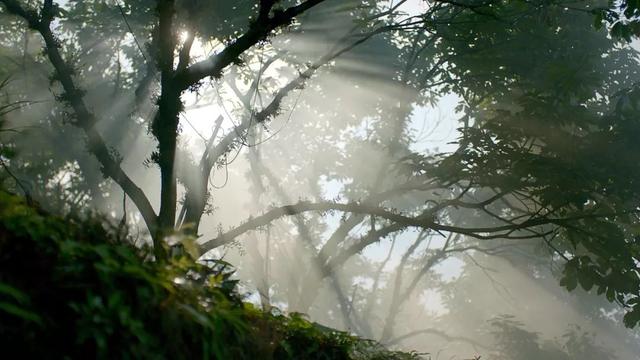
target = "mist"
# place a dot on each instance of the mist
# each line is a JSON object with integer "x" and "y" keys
{"x": 312, "y": 161}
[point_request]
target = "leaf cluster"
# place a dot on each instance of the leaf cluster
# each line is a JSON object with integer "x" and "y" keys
{"x": 548, "y": 121}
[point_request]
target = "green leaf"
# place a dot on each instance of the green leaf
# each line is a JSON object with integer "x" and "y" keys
{"x": 20, "y": 312}
{"x": 586, "y": 280}
{"x": 18, "y": 295}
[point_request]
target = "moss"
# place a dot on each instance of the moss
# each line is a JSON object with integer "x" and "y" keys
{"x": 72, "y": 288}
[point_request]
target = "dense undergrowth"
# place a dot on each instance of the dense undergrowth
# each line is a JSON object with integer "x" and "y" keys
{"x": 72, "y": 288}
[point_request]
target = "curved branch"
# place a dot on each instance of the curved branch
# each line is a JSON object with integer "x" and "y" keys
{"x": 426, "y": 220}
{"x": 436, "y": 332}
{"x": 258, "y": 31}
{"x": 197, "y": 193}
{"x": 84, "y": 118}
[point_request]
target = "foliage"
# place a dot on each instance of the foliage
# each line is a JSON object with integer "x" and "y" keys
{"x": 559, "y": 131}
{"x": 621, "y": 17}
{"x": 514, "y": 342}
{"x": 76, "y": 288}
{"x": 549, "y": 116}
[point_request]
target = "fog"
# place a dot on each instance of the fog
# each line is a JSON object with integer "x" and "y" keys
{"x": 363, "y": 127}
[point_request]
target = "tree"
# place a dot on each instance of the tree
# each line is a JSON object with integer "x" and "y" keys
{"x": 173, "y": 82}
{"x": 497, "y": 185}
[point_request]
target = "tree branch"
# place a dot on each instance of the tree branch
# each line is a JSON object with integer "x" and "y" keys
{"x": 425, "y": 220}
{"x": 258, "y": 31}
{"x": 183, "y": 58}
{"x": 436, "y": 332}
{"x": 85, "y": 120}
{"x": 197, "y": 194}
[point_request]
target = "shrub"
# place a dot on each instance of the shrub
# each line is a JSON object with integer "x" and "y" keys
{"x": 75, "y": 288}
